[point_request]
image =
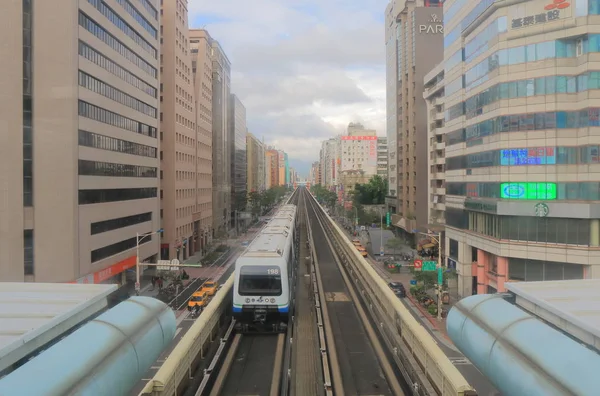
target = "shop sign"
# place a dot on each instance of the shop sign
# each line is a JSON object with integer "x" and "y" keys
{"x": 481, "y": 206}
{"x": 541, "y": 210}
{"x": 553, "y": 11}
{"x": 435, "y": 26}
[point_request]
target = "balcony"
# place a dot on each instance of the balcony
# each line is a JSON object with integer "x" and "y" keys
{"x": 438, "y": 190}
{"x": 439, "y": 116}
{"x": 440, "y": 145}
{"x": 439, "y": 161}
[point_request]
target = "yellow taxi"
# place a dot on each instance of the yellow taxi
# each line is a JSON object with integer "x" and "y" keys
{"x": 356, "y": 242}
{"x": 199, "y": 299}
{"x": 362, "y": 251}
{"x": 210, "y": 288}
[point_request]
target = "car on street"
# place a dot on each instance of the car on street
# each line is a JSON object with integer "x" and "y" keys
{"x": 398, "y": 289}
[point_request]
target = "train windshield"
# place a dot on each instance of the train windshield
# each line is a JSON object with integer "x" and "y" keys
{"x": 258, "y": 280}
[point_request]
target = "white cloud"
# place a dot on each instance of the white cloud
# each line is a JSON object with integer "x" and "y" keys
{"x": 304, "y": 69}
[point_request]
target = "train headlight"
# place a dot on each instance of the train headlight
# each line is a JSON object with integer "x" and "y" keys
{"x": 247, "y": 301}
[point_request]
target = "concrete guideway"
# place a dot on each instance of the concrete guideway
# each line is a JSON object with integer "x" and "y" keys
{"x": 359, "y": 364}
{"x": 415, "y": 351}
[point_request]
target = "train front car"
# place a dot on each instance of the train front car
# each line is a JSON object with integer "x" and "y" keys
{"x": 264, "y": 274}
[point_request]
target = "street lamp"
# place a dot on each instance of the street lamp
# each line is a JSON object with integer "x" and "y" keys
{"x": 438, "y": 238}
{"x": 355, "y": 216}
{"x": 381, "y": 251}
{"x": 139, "y": 238}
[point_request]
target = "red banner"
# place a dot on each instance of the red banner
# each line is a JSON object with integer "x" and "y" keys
{"x": 109, "y": 272}
{"x": 359, "y": 137}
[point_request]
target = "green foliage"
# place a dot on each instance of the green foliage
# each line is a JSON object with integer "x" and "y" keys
{"x": 428, "y": 279}
{"x": 371, "y": 193}
{"x": 323, "y": 195}
{"x": 395, "y": 244}
{"x": 259, "y": 202}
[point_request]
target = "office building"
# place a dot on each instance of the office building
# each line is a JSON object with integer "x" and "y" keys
{"x": 434, "y": 98}
{"x": 79, "y": 143}
{"x": 272, "y": 168}
{"x": 382, "y": 156}
{"x": 238, "y": 152}
{"x": 222, "y": 145}
{"x": 414, "y": 44}
{"x": 314, "y": 175}
{"x": 522, "y": 133}
{"x": 359, "y": 150}
{"x": 256, "y": 163}
{"x": 281, "y": 166}
{"x": 330, "y": 160}
{"x": 200, "y": 50}
{"x": 179, "y": 136}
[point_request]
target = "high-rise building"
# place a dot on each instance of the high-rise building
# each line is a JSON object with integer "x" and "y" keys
{"x": 79, "y": 139}
{"x": 272, "y": 165}
{"x": 256, "y": 163}
{"x": 359, "y": 150}
{"x": 414, "y": 44}
{"x": 331, "y": 160}
{"x": 287, "y": 169}
{"x": 222, "y": 146}
{"x": 200, "y": 50}
{"x": 314, "y": 176}
{"x": 382, "y": 156}
{"x": 281, "y": 166}
{"x": 179, "y": 136}
{"x": 522, "y": 135}
{"x": 434, "y": 97}
{"x": 238, "y": 150}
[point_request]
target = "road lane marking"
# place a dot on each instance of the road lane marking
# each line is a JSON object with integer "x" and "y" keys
{"x": 177, "y": 331}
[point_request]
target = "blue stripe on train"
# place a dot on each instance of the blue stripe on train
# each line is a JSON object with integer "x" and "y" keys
{"x": 285, "y": 309}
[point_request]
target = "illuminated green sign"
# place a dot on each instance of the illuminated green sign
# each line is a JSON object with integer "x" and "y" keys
{"x": 528, "y": 191}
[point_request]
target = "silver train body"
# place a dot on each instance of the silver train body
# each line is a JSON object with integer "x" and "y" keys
{"x": 264, "y": 275}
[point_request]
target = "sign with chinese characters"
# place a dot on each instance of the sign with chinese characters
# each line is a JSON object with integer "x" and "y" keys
{"x": 359, "y": 137}
{"x": 539, "y": 12}
{"x": 528, "y": 191}
{"x": 528, "y": 156}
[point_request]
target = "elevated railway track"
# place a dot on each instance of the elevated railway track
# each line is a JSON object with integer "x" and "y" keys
{"x": 357, "y": 337}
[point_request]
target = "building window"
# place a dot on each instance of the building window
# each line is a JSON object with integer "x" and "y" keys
{"x": 108, "y": 117}
{"x": 97, "y": 168}
{"x": 116, "y": 248}
{"x": 28, "y": 251}
{"x": 104, "y": 62}
{"x": 115, "y": 44}
{"x": 87, "y": 197}
{"x": 150, "y": 8}
{"x": 95, "y": 140}
{"x": 27, "y": 105}
{"x": 131, "y": 10}
{"x": 123, "y": 26}
{"x": 108, "y": 91}
{"x": 122, "y": 222}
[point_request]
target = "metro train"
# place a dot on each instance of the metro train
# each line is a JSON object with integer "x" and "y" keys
{"x": 265, "y": 275}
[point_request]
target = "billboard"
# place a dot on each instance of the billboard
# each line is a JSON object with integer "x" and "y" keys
{"x": 528, "y": 156}
{"x": 528, "y": 191}
{"x": 372, "y": 158}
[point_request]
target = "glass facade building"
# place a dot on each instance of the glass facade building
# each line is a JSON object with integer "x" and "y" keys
{"x": 522, "y": 136}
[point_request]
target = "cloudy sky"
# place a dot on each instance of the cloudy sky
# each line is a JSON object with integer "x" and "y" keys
{"x": 304, "y": 69}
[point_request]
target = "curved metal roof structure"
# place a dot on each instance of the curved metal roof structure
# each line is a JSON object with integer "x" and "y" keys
{"x": 34, "y": 314}
{"x": 519, "y": 353}
{"x": 105, "y": 357}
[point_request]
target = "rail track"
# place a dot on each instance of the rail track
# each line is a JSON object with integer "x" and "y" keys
{"x": 253, "y": 366}
{"x": 357, "y": 360}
